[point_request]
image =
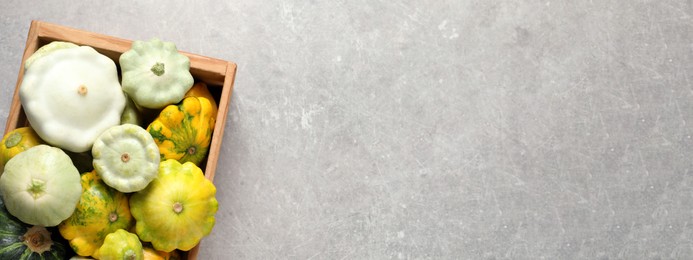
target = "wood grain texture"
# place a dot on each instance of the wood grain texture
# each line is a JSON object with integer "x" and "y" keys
{"x": 17, "y": 118}
{"x": 216, "y": 73}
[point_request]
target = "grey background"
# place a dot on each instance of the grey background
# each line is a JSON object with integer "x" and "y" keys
{"x": 433, "y": 129}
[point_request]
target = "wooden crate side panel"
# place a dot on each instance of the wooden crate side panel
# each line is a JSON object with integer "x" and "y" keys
{"x": 215, "y": 146}
{"x": 16, "y": 117}
{"x": 218, "y": 135}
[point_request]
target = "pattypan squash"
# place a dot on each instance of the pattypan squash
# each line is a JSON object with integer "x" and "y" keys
{"x": 46, "y": 49}
{"x": 183, "y": 132}
{"x": 177, "y": 208}
{"x": 200, "y": 89}
{"x": 126, "y": 157}
{"x": 120, "y": 245}
{"x": 40, "y": 186}
{"x": 153, "y": 254}
{"x": 131, "y": 115}
{"x": 101, "y": 211}
{"x": 155, "y": 74}
{"x": 15, "y": 142}
{"x": 21, "y": 241}
{"x": 71, "y": 95}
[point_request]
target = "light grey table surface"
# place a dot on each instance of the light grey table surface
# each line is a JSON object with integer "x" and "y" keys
{"x": 433, "y": 129}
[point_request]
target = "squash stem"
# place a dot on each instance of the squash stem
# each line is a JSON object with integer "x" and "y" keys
{"x": 158, "y": 69}
{"x": 37, "y": 188}
{"x": 13, "y": 140}
{"x": 177, "y": 207}
{"x": 129, "y": 255}
{"x": 112, "y": 217}
{"x": 38, "y": 239}
{"x": 82, "y": 90}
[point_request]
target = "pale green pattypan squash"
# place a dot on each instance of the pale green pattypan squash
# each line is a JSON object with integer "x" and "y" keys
{"x": 126, "y": 157}
{"x": 131, "y": 115}
{"x": 40, "y": 186}
{"x": 71, "y": 96}
{"x": 46, "y": 49}
{"x": 155, "y": 74}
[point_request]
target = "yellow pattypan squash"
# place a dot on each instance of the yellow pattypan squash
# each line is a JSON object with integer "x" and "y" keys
{"x": 101, "y": 210}
{"x": 17, "y": 141}
{"x": 120, "y": 245}
{"x": 176, "y": 210}
{"x": 200, "y": 89}
{"x": 183, "y": 132}
{"x": 153, "y": 254}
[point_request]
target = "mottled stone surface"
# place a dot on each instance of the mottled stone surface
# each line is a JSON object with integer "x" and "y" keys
{"x": 433, "y": 129}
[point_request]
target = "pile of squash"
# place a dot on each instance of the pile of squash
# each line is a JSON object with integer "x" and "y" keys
{"x": 109, "y": 167}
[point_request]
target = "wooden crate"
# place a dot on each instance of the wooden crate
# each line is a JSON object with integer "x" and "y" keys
{"x": 218, "y": 74}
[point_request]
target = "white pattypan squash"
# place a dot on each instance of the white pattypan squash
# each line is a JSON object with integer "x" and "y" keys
{"x": 72, "y": 95}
